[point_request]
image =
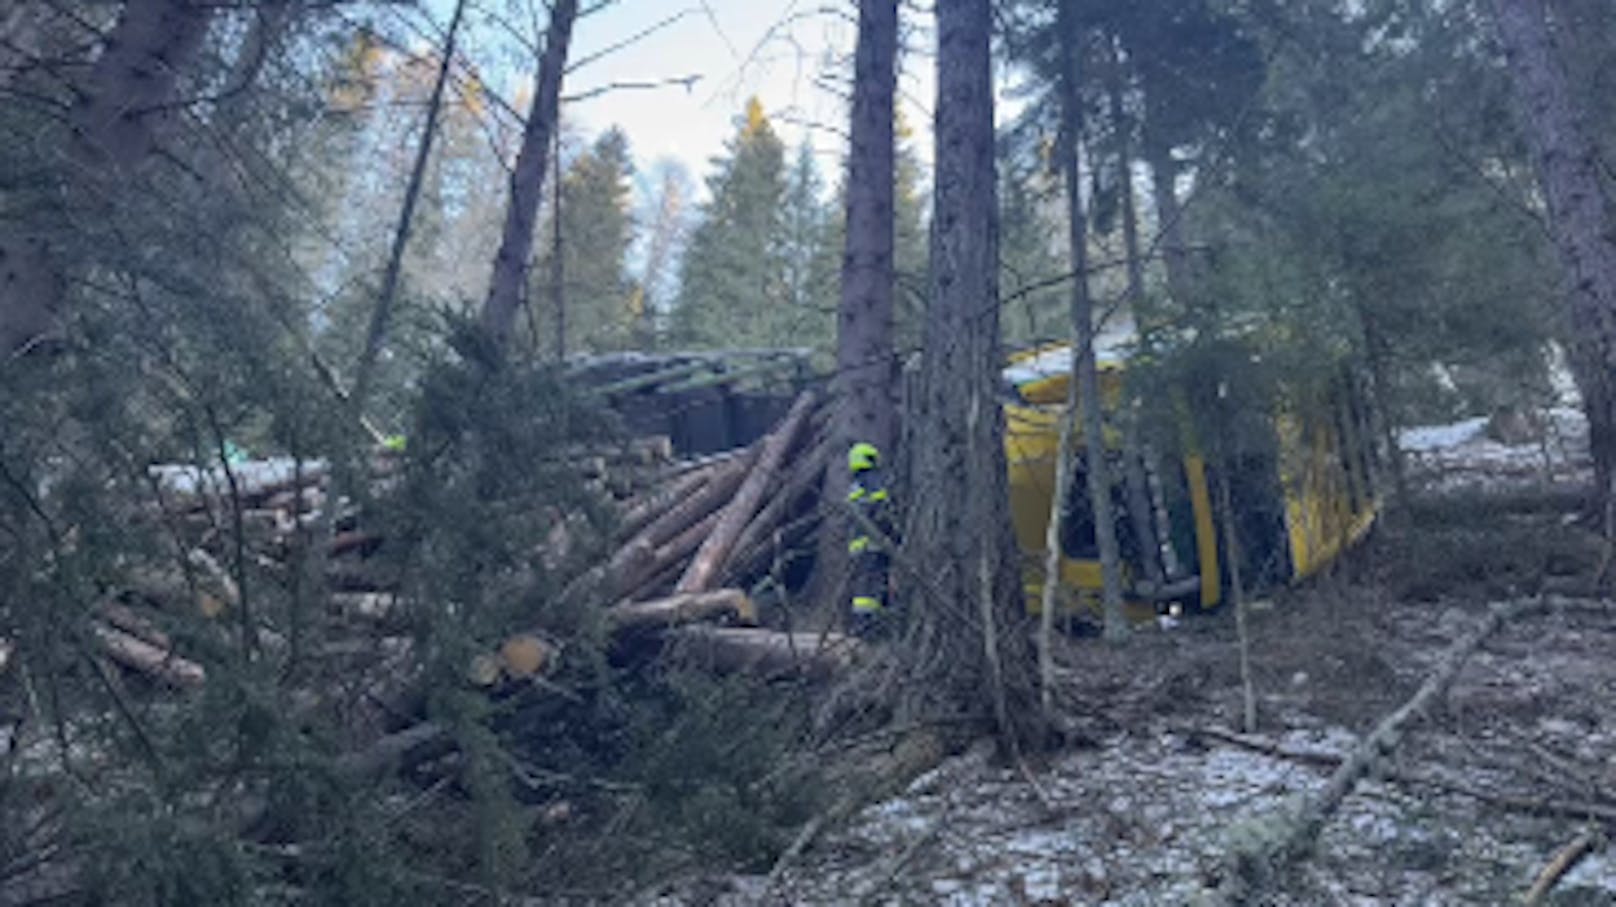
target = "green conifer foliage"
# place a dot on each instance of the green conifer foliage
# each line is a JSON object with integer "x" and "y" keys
{"x": 733, "y": 291}
{"x": 596, "y": 230}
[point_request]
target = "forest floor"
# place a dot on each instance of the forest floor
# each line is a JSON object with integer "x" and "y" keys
{"x": 1477, "y": 800}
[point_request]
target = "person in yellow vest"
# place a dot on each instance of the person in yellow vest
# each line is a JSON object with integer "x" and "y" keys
{"x": 868, "y": 560}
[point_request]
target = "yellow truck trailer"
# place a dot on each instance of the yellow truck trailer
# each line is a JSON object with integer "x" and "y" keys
{"x": 1307, "y": 494}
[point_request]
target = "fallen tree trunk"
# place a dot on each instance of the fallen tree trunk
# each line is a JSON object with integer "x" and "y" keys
{"x": 710, "y": 557}
{"x": 768, "y": 653}
{"x": 1253, "y": 867}
{"x": 681, "y": 609}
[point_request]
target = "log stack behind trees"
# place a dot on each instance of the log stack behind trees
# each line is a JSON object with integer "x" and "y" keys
{"x": 693, "y": 539}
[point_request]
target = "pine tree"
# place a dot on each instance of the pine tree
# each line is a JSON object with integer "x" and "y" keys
{"x": 732, "y": 292}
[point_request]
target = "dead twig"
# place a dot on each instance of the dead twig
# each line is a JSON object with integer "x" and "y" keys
{"x": 1586, "y": 842}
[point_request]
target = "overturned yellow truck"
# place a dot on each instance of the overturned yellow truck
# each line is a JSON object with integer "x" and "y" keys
{"x": 1302, "y": 486}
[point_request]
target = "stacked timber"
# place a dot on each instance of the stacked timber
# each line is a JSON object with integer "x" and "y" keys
{"x": 692, "y": 543}
{"x": 692, "y": 537}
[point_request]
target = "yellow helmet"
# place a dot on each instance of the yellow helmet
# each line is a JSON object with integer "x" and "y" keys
{"x": 861, "y": 456}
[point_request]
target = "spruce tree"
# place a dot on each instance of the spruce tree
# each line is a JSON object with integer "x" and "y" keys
{"x": 733, "y": 291}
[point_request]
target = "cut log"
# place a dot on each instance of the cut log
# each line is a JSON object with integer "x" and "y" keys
{"x": 719, "y": 488}
{"x": 210, "y": 488}
{"x": 677, "y": 610}
{"x": 696, "y": 464}
{"x": 710, "y": 557}
{"x": 664, "y": 566}
{"x": 354, "y": 541}
{"x": 756, "y": 537}
{"x": 657, "y": 585}
{"x": 647, "y": 507}
{"x": 526, "y": 655}
{"x": 768, "y": 653}
{"x": 154, "y": 661}
{"x": 124, "y": 618}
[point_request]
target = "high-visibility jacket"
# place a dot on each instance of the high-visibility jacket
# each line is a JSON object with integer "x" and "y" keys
{"x": 868, "y": 493}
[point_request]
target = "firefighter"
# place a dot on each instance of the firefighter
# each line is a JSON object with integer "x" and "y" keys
{"x": 868, "y": 559}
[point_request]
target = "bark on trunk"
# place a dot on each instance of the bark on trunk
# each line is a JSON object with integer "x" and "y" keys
{"x": 1082, "y": 312}
{"x": 676, "y": 610}
{"x": 865, "y": 364}
{"x": 968, "y": 644}
{"x": 1134, "y": 474}
{"x": 123, "y": 102}
{"x": 1568, "y": 171}
{"x": 1170, "y": 223}
{"x": 1052, "y": 551}
{"x": 515, "y": 255}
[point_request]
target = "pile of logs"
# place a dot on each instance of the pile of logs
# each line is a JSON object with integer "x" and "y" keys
{"x": 690, "y": 545}
{"x": 693, "y": 537}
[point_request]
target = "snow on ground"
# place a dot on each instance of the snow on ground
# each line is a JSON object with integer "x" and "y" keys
{"x": 1462, "y": 455}
{"x": 1147, "y": 815}
{"x": 1146, "y": 820}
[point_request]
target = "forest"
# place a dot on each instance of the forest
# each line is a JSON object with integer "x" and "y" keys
{"x": 1125, "y": 452}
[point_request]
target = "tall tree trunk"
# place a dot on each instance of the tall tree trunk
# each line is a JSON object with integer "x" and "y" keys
{"x": 382, "y": 314}
{"x": 865, "y": 372}
{"x": 1376, "y": 355}
{"x": 1170, "y": 221}
{"x": 558, "y": 268}
{"x": 122, "y": 104}
{"x": 1134, "y": 473}
{"x": 1568, "y": 168}
{"x": 968, "y": 646}
{"x": 1130, "y": 213}
{"x": 1082, "y": 312}
{"x": 1052, "y": 551}
{"x": 515, "y": 255}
